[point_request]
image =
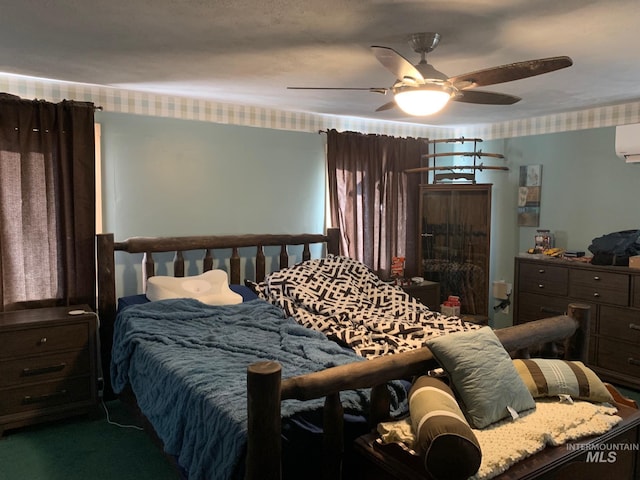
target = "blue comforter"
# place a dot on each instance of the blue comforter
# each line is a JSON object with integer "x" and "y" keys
{"x": 186, "y": 363}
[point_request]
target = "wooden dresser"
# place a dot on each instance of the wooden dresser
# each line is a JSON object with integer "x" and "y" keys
{"x": 48, "y": 366}
{"x": 545, "y": 286}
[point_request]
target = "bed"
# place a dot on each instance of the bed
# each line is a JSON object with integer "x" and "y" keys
{"x": 337, "y": 387}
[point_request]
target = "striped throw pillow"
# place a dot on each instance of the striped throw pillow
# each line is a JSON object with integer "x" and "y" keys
{"x": 444, "y": 438}
{"x": 550, "y": 377}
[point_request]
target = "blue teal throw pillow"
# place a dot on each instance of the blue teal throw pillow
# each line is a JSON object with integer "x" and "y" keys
{"x": 483, "y": 376}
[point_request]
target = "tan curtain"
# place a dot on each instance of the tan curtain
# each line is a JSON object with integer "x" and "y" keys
{"x": 47, "y": 203}
{"x": 372, "y": 200}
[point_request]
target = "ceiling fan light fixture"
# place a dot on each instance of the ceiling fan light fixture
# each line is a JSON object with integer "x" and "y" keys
{"x": 422, "y": 101}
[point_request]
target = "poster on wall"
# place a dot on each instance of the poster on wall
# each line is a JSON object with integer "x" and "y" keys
{"x": 529, "y": 195}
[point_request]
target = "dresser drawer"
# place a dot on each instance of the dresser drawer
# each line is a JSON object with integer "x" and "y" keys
{"x": 620, "y": 323}
{"x": 618, "y": 356}
{"x": 44, "y": 395}
{"x": 533, "y": 306}
{"x": 33, "y": 341}
{"x": 600, "y": 286}
{"x": 635, "y": 300}
{"x": 542, "y": 278}
{"x": 43, "y": 368}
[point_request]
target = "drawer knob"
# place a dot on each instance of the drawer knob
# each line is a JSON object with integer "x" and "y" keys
{"x": 596, "y": 278}
{"x": 541, "y": 270}
{"x": 540, "y": 285}
{"x": 596, "y": 294}
{"x": 42, "y": 341}
{"x": 634, "y": 326}
{"x": 633, "y": 361}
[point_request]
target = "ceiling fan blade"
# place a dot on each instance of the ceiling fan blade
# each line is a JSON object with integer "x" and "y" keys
{"x": 485, "y": 98}
{"x": 382, "y": 90}
{"x": 510, "y": 72}
{"x": 386, "y": 106}
{"x": 396, "y": 63}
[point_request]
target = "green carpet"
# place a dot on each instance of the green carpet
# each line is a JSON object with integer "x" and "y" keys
{"x": 92, "y": 449}
{"x": 87, "y": 448}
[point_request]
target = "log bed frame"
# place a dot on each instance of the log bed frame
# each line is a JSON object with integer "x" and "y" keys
{"x": 265, "y": 387}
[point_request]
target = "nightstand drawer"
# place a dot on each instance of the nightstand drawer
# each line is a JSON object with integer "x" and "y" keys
{"x": 600, "y": 286}
{"x": 43, "y": 395}
{"x": 542, "y": 278}
{"x": 33, "y": 341}
{"x": 43, "y": 368}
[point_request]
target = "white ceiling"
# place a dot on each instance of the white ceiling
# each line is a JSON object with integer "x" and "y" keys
{"x": 249, "y": 51}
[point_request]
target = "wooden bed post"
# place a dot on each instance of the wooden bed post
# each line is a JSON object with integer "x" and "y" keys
{"x": 106, "y": 302}
{"x": 264, "y": 444}
{"x": 333, "y": 436}
{"x": 333, "y": 241}
{"x": 578, "y": 347}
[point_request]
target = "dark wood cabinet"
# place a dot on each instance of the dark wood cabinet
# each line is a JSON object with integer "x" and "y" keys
{"x": 427, "y": 293}
{"x": 546, "y": 286}
{"x": 455, "y": 229}
{"x": 48, "y": 366}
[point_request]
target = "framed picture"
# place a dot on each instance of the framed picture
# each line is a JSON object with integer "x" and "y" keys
{"x": 529, "y": 195}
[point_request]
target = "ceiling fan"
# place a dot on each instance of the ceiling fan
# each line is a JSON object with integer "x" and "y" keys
{"x": 422, "y": 90}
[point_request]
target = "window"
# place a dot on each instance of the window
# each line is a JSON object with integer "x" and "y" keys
{"x": 47, "y": 203}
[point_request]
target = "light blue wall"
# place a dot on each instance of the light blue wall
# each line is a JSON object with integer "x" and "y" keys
{"x": 166, "y": 177}
{"x": 177, "y": 177}
{"x": 587, "y": 191}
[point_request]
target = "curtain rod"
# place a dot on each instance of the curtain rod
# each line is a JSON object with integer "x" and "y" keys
{"x": 377, "y": 134}
{"x": 10, "y": 96}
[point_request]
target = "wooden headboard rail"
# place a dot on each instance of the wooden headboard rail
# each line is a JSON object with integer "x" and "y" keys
{"x": 266, "y": 388}
{"x": 106, "y": 248}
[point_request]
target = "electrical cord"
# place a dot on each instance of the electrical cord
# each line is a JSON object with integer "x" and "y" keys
{"x": 111, "y": 422}
{"x": 100, "y": 371}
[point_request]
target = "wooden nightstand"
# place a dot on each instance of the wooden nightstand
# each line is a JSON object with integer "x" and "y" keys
{"x": 48, "y": 366}
{"x": 426, "y": 292}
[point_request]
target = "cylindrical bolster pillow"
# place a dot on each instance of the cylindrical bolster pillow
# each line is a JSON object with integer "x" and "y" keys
{"x": 450, "y": 448}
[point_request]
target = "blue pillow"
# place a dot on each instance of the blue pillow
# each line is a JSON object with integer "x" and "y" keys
{"x": 123, "y": 302}
{"x": 244, "y": 291}
{"x": 130, "y": 300}
{"x": 483, "y": 375}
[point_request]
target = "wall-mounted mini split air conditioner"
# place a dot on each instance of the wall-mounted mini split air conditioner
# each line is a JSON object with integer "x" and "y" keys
{"x": 628, "y": 142}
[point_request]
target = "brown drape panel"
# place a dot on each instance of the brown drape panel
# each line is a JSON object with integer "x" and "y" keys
{"x": 47, "y": 203}
{"x": 372, "y": 200}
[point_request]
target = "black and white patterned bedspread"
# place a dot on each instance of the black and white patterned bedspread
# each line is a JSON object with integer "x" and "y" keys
{"x": 344, "y": 299}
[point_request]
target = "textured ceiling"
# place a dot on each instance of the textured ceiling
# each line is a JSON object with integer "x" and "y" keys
{"x": 249, "y": 51}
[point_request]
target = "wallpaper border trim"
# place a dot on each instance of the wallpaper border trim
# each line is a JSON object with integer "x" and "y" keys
{"x": 158, "y": 105}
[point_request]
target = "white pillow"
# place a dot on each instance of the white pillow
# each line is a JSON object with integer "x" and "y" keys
{"x": 211, "y": 287}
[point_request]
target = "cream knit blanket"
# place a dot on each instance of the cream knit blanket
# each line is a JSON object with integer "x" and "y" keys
{"x": 507, "y": 442}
